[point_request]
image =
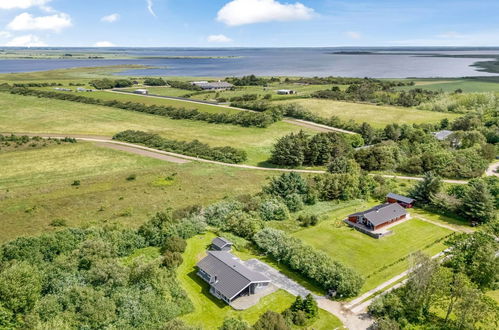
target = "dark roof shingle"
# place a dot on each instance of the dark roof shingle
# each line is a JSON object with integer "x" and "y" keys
{"x": 400, "y": 198}
{"x": 382, "y": 213}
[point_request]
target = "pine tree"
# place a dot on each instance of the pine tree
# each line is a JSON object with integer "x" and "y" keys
{"x": 426, "y": 189}
{"x": 310, "y": 307}
{"x": 478, "y": 203}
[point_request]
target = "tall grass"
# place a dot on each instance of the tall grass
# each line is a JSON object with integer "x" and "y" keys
{"x": 463, "y": 103}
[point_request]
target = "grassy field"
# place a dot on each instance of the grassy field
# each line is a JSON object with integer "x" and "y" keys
{"x": 377, "y": 116}
{"x": 377, "y": 260}
{"x": 36, "y": 187}
{"x": 474, "y": 85}
{"x": 26, "y": 114}
{"x": 210, "y": 312}
{"x": 108, "y": 96}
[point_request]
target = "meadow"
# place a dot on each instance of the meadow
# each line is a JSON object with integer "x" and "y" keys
{"x": 36, "y": 187}
{"x": 376, "y": 260}
{"x": 469, "y": 85}
{"x": 26, "y": 114}
{"x": 210, "y": 312}
{"x": 377, "y": 116}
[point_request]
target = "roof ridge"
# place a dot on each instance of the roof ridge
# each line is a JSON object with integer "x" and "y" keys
{"x": 240, "y": 263}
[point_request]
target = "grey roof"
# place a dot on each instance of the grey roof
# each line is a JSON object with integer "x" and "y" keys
{"x": 232, "y": 276}
{"x": 220, "y": 242}
{"x": 400, "y": 198}
{"x": 382, "y": 213}
{"x": 442, "y": 135}
{"x": 216, "y": 84}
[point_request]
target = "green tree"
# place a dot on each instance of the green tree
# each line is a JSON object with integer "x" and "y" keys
{"x": 20, "y": 287}
{"x": 478, "y": 203}
{"x": 424, "y": 190}
{"x": 271, "y": 321}
{"x": 233, "y": 323}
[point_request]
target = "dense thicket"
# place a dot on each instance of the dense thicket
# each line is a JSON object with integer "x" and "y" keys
{"x": 151, "y": 81}
{"x": 311, "y": 263}
{"x": 37, "y": 84}
{"x": 251, "y": 80}
{"x": 376, "y": 92}
{"x": 302, "y": 149}
{"x": 16, "y": 142}
{"x": 346, "y": 81}
{"x": 443, "y": 296}
{"x": 193, "y": 148}
{"x": 183, "y": 85}
{"x": 87, "y": 278}
{"x": 109, "y": 84}
{"x": 243, "y": 118}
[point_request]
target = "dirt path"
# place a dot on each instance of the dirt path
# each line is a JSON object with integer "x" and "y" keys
{"x": 94, "y": 138}
{"x": 298, "y": 122}
{"x": 350, "y": 320}
{"x": 458, "y": 229}
{"x": 142, "y": 152}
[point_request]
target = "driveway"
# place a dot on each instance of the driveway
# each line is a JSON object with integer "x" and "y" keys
{"x": 278, "y": 279}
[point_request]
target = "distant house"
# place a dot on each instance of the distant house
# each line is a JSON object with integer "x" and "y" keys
{"x": 401, "y": 200}
{"x": 141, "y": 91}
{"x": 286, "y": 92}
{"x": 63, "y": 89}
{"x": 221, "y": 244}
{"x": 81, "y": 89}
{"x": 379, "y": 216}
{"x": 228, "y": 278}
{"x": 217, "y": 85}
{"x": 442, "y": 135}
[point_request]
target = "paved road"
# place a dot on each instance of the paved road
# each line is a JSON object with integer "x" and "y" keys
{"x": 299, "y": 122}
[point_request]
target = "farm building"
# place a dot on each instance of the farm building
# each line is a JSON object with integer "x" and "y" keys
{"x": 141, "y": 91}
{"x": 228, "y": 278}
{"x": 379, "y": 216}
{"x": 286, "y": 92}
{"x": 217, "y": 85}
{"x": 221, "y": 244}
{"x": 401, "y": 200}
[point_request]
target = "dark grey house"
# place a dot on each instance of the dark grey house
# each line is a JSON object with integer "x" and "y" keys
{"x": 221, "y": 244}
{"x": 228, "y": 277}
{"x": 216, "y": 85}
{"x": 379, "y": 216}
{"x": 402, "y": 200}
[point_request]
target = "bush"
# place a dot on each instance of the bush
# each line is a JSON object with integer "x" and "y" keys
{"x": 308, "y": 220}
{"x": 273, "y": 209}
{"x": 76, "y": 183}
{"x": 174, "y": 244}
{"x": 172, "y": 259}
{"x": 131, "y": 177}
{"x": 294, "y": 202}
{"x": 58, "y": 223}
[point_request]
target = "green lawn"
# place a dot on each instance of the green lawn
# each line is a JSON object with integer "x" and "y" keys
{"x": 377, "y": 116}
{"x": 210, "y": 312}
{"x": 28, "y": 114}
{"x": 35, "y": 187}
{"x": 377, "y": 260}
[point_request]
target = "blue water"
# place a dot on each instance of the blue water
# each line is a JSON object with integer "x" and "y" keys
{"x": 276, "y": 62}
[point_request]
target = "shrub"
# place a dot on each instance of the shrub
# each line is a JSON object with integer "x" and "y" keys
{"x": 172, "y": 259}
{"x": 58, "y": 223}
{"x": 131, "y": 177}
{"x": 273, "y": 209}
{"x": 174, "y": 244}
{"x": 294, "y": 202}
{"x": 76, "y": 183}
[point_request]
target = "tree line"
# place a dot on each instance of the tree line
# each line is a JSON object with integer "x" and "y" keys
{"x": 242, "y": 118}
{"x": 193, "y": 148}
{"x": 110, "y": 84}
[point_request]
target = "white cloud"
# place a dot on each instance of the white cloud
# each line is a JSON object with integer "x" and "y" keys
{"x": 26, "y": 41}
{"x": 110, "y": 18}
{"x": 104, "y": 44}
{"x": 354, "y": 35}
{"x": 26, "y": 21}
{"x": 219, "y": 38}
{"x": 22, "y": 4}
{"x": 149, "y": 7}
{"x": 5, "y": 34}
{"x": 240, "y": 12}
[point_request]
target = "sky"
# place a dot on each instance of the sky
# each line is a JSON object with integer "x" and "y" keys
{"x": 248, "y": 23}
